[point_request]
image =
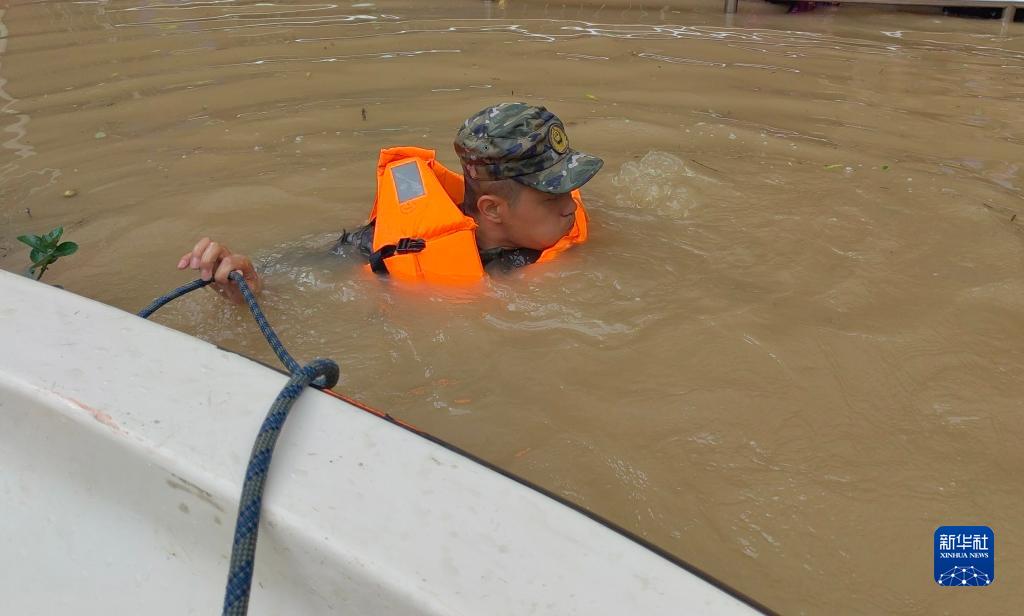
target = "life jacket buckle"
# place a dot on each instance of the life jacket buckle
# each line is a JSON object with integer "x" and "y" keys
{"x": 404, "y": 246}
{"x": 408, "y": 245}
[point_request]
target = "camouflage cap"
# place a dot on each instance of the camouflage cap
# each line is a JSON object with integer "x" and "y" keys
{"x": 523, "y": 143}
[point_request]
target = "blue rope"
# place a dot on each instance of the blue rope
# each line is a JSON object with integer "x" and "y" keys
{"x": 322, "y": 373}
{"x": 268, "y": 332}
{"x": 243, "y": 552}
{"x": 159, "y": 302}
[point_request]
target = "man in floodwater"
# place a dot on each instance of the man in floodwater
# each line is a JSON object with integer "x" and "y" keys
{"x": 519, "y": 202}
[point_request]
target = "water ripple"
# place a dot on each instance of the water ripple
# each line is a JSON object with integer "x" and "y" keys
{"x": 384, "y": 55}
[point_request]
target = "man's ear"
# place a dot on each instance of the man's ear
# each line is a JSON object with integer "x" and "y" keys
{"x": 491, "y": 207}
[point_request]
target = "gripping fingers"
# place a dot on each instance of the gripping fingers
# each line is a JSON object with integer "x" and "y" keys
{"x": 197, "y": 252}
{"x": 210, "y": 260}
{"x": 227, "y": 265}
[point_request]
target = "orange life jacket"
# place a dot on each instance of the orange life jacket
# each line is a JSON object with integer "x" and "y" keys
{"x": 416, "y": 200}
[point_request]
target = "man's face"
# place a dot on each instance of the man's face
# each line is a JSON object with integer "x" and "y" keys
{"x": 538, "y": 219}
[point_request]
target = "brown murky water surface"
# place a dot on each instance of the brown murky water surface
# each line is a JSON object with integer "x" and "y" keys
{"x": 792, "y": 349}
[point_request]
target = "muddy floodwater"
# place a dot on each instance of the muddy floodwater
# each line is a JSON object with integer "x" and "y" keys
{"x": 792, "y": 349}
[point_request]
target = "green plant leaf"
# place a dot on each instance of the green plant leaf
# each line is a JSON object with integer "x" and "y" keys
{"x": 65, "y": 249}
{"x": 54, "y": 236}
{"x": 32, "y": 240}
{"x": 38, "y": 256}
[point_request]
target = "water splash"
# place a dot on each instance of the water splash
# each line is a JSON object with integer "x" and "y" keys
{"x": 656, "y": 183}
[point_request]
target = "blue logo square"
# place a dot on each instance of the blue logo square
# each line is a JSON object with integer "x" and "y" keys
{"x": 965, "y": 556}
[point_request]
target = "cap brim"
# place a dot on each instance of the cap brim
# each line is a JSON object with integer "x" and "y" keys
{"x": 568, "y": 174}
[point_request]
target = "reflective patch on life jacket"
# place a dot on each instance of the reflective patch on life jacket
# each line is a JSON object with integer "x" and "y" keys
{"x": 407, "y": 181}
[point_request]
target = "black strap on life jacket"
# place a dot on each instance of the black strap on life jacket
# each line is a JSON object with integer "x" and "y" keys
{"x": 406, "y": 245}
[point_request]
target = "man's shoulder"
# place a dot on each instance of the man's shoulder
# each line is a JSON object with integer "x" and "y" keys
{"x": 361, "y": 239}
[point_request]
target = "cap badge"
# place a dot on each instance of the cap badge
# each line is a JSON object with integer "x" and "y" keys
{"x": 556, "y": 137}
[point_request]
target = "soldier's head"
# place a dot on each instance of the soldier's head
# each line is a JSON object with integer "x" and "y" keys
{"x": 520, "y": 173}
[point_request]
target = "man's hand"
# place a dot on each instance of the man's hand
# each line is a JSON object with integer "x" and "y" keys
{"x": 215, "y": 261}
